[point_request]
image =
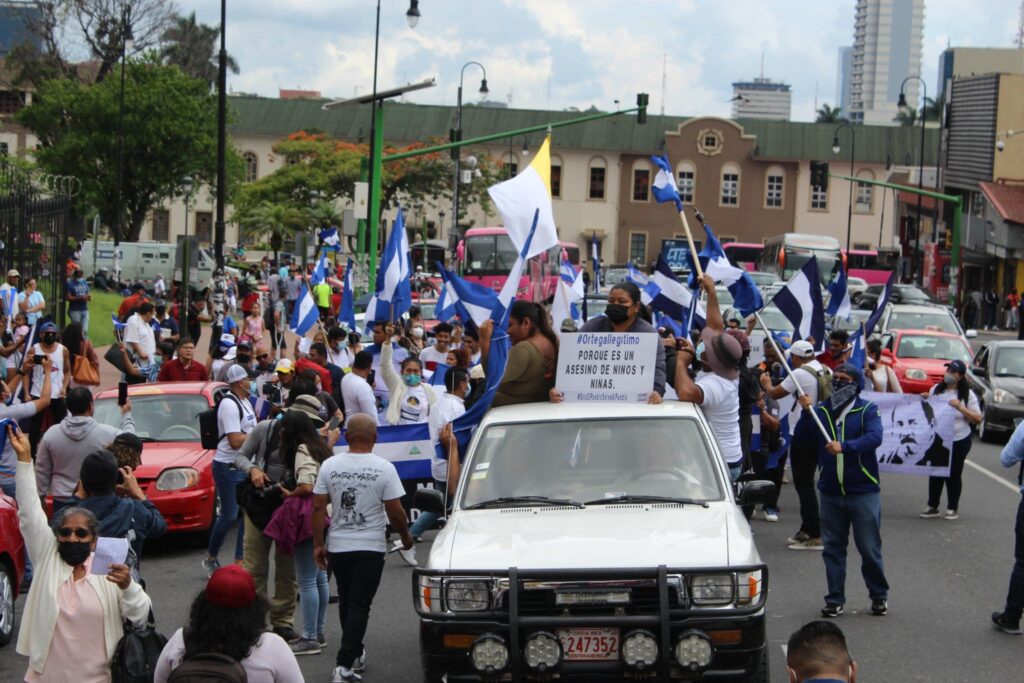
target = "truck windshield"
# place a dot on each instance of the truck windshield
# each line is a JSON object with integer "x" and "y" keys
{"x": 586, "y": 460}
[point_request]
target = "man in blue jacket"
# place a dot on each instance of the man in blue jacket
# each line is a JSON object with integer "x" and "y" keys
{"x": 850, "y": 496}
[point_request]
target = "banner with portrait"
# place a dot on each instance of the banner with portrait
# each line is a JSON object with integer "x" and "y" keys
{"x": 917, "y": 434}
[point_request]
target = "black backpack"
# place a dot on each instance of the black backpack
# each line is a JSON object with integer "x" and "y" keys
{"x": 211, "y": 667}
{"x": 136, "y": 655}
{"x": 209, "y": 431}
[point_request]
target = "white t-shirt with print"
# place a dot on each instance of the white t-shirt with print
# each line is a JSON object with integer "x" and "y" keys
{"x": 415, "y": 406}
{"x": 358, "y": 484}
{"x": 430, "y": 357}
{"x": 805, "y": 375}
{"x": 961, "y": 427}
{"x": 721, "y": 407}
{"x": 230, "y": 421}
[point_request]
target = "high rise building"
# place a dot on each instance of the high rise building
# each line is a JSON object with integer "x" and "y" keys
{"x": 960, "y": 62}
{"x": 844, "y": 80}
{"x": 15, "y": 18}
{"x": 761, "y": 98}
{"x": 887, "y": 45}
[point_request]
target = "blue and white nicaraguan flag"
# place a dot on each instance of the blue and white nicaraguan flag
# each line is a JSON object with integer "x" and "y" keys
{"x": 393, "y": 295}
{"x": 746, "y": 296}
{"x": 673, "y": 298}
{"x": 468, "y": 300}
{"x": 664, "y": 187}
{"x": 800, "y": 302}
{"x": 408, "y": 447}
{"x": 305, "y": 314}
{"x": 320, "y": 270}
{"x": 883, "y": 300}
{"x": 839, "y": 296}
{"x": 568, "y": 291}
{"x": 330, "y": 239}
{"x": 347, "y": 313}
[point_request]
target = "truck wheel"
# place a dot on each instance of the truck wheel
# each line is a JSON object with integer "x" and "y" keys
{"x": 7, "y": 598}
{"x": 984, "y": 433}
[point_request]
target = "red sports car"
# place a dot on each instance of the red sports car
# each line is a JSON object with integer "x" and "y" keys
{"x": 176, "y": 471}
{"x": 12, "y": 565}
{"x": 919, "y": 357}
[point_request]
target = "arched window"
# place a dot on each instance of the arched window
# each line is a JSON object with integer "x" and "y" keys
{"x": 252, "y": 166}
{"x": 686, "y": 179}
{"x": 597, "y": 174}
{"x": 730, "y": 194}
{"x": 774, "y": 186}
{"x": 865, "y": 195}
{"x": 556, "y": 176}
{"x": 641, "y": 180}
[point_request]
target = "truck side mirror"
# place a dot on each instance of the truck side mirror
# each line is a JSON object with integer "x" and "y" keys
{"x": 429, "y": 500}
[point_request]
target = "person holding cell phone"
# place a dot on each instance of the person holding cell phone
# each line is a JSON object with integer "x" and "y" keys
{"x": 73, "y": 619}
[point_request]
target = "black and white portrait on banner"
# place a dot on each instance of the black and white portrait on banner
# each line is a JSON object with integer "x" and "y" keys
{"x": 917, "y": 433}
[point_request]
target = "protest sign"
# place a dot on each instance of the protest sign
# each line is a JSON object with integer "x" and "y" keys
{"x": 917, "y": 434}
{"x": 607, "y": 366}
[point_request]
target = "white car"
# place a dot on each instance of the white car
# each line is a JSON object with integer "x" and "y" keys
{"x": 921, "y": 317}
{"x": 855, "y": 285}
{"x": 593, "y": 538}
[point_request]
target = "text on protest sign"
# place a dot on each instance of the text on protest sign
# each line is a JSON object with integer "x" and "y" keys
{"x": 607, "y": 366}
{"x": 917, "y": 433}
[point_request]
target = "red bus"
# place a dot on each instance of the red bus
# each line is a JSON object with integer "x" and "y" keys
{"x": 486, "y": 255}
{"x": 742, "y": 254}
{"x": 873, "y": 266}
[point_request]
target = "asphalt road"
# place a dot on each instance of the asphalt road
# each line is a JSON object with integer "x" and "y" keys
{"x": 946, "y": 578}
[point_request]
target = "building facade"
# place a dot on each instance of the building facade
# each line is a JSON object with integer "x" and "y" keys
{"x": 761, "y": 98}
{"x": 887, "y": 45}
{"x": 844, "y": 79}
{"x": 962, "y": 62}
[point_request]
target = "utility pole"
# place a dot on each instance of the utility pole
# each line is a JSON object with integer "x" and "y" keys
{"x": 219, "y": 287}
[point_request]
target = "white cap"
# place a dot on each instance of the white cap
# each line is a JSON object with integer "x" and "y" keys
{"x": 801, "y": 349}
{"x": 236, "y": 373}
{"x": 227, "y": 339}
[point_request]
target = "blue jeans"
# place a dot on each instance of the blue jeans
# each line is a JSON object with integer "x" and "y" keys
{"x": 226, "y": 478}
{"x": 863, "y": 512}
{"x": 314, "y": 592}
{"x": 81, "y": 317}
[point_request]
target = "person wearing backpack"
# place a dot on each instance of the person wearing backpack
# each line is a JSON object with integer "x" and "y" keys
{"x": 235, "y": 419}
{"x": 225, "y": 640}
{"x": 814, "y": 381}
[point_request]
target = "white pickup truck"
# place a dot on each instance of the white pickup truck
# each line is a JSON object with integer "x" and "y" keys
{"x": 590, "y": 541}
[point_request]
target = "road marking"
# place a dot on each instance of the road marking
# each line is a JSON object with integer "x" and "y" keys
{"x": 994, "y": 477}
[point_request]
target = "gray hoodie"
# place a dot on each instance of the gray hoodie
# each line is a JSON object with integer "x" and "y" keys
{"x": 64, "y": 446}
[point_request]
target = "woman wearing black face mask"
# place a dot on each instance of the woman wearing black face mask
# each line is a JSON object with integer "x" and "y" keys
{"x": 73, "y": 618}
{"x": 624, "y": 314}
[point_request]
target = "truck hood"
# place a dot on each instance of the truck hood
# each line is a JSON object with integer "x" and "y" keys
{"x": 612, "y": 536}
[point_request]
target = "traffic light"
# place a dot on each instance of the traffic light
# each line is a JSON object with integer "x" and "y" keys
{"x": 641, "y": 101}
{"x": 819, "y": 174}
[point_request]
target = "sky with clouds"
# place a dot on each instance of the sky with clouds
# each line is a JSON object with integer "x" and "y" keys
{"x": 573, "y": 53}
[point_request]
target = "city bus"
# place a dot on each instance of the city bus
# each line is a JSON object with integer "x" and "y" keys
{"x": 572, "y": 253}
{"x": 486, "y": 255}
{"x": 742, "y": 254}
{"x": 787, "y": 253}
{"x": 873, "y": 266}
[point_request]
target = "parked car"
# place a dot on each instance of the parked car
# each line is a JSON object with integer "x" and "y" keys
{"x": 858, "y": 317}
{"x": 613, "y": 275}
{"x": 927, "y": 317}
{"x": 12, "y": 565}
{"x": 176, "y": 471}
{"x": 901, "y": 294}
{"x": 610, "y": 552}
{"x": 919, "y": 358}
{"x": 997, "y": 376}
{"x": 855, "y": 286}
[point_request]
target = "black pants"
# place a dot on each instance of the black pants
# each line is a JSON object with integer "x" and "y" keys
{"x": 358, "y": 576}
{"x": 1015, "y": 595}
{"x": 954, "y": 482}
{"x": 803, "y": 461}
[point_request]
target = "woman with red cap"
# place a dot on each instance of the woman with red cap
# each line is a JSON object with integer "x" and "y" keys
{"x": 228, "y": 619}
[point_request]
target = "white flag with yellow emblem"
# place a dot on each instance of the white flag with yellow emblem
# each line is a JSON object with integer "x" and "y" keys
{"x": 519, "y": 198}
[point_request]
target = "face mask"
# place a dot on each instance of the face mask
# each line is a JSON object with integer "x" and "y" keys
{"x": 411, "y": 379}
{"x": 617, "y": 313}
{"x": 949, "y": 379}
{"x": 49, "y": 338}
{"x": 74, "y": 553}
{"x": 341, "y": 345}
{"x": 843, "y": 393}
{"x": 469, "y": 391}
{"x": 417, "y": 332}
{"x": 700, "y": 349}
{"x": 242, "y": 359}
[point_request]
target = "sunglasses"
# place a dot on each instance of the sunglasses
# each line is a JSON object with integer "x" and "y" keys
{"x": 68, "y": 531}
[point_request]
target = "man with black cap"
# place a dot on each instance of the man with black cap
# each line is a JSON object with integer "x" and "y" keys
{"x": 716, "y": 389}
{"x": 169, "y": 330}
{"x": 132, "y": 516}
{"x": 243, "y": 359}
{"x": 848, "y": 487}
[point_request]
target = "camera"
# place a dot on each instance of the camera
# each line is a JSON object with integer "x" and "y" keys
{"x": 664, "y": 332}
{"x": 38, "y": 359}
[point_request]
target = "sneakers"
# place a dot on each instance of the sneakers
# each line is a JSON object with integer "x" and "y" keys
{"x": 831, "y": 611}
{"x": 211, "y": 565}
{"x": 321, "y": 638}
{"x": 771, "y": 515}
{"x": 809, "y": 544}
{"x": 305, "y": 646}
{"x": 408, "y": 556}
{"x": 930, "y": 513}
{"x": 798, "y": 537}
{"x": 359, "y": 666}
{"x": 879, "y": 608}
{"x": 1005, "y": 624}
{"x": 343, "y": 675}
{"x": 952, "y": 515}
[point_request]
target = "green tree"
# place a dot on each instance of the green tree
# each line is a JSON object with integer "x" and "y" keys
{"x": 323, "y": 215}
{"x": 194, "y": 48}
{"x": 906, "y": 118}
{"x": 275, "y": 222}
{"x": 933, "y": 107}
{"x": 827, "y": 114}
{"x": 170, "y": 131}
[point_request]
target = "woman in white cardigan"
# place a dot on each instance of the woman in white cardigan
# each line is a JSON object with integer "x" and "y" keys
{"x": 409, "y": 399}
{"x": 72, "y": 620}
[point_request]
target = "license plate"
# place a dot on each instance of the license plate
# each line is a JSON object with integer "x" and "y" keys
{"x": 589, "y": 644}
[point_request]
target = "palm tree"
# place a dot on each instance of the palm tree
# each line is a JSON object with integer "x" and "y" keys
{"x": 193, "y": 48}
{"x": 933, "y": 108}
{"x": 276, "y": 221}
{"x": 827, "y": 114}
{"x": 906, "y": 117}
{"x": 324, "y": 215}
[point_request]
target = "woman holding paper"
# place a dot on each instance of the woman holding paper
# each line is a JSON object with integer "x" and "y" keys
{"x": 73, "y": 618}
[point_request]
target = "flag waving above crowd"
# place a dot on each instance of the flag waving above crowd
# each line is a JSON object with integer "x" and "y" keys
{"x": 519, "y": 198}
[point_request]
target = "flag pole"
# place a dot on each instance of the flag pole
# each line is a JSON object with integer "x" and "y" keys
{"x": 789, "y": 371}
{"x": 689, "y": 240}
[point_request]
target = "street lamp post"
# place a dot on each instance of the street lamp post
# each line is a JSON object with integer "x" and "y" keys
{"x": 219, "y": 286}
{"x": 835, "y": 150}
{"x": 126, "y": 44}
{"x": 185, "y": 282}
{"x": 904, "y": 107}
{"x": 456, "y": 152}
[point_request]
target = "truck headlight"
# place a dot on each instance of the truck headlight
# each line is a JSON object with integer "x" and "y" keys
{"x": 915, "y": 373}
{"x": 467, "y": 595}
{"x": 177, "y": 478}
{"x": 489, "y": 654}
{"x": 1004, "y": 396}
{"x": 639, "y": 650}
{"x": 543, "y": 652}
{"x": 428, "y": 593}
{"x": 712, "y": 589}
{"x": 693, "y": 651}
